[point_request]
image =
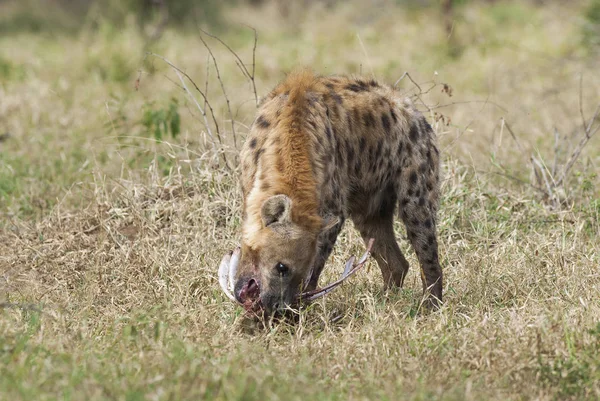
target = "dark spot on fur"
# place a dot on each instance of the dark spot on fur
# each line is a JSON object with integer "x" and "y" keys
{"x": 422, "y": 201}
{"x": 414, "y": 222}
{"x": 431, "y": 240}
{"x": 369, "y": 119}
{"x": 328, "y": 132}
{"x": 413, "y": 134}
{"x": 358, "y": 86}
{"x": 362, "y": 144}
{"x": 265, "y": 186}
{"x": 330, "y": 85}
{"x": 413, "y": 178}
{"x": 427, "y": 223}
{"x": 378, "y": 151}
{"x": 262, "y": 122}
{"x": 385, "y": 120}
{"x": 393, "y": 114}
{"x": 338, "y": 99}
{"x": 386, "y": 154}
{"x": 356, "y": 116}
{"x": 357, "y": 166}
{"x": 400, "y": 147}
{"x": 257, "y": 155}
{"x": 253, "y": 143}
{"x": 350, "y": 149}
{"x": 425, "y": 125}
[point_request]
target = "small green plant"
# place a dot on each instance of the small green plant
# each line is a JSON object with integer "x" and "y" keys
{"x": 160, "y": 122}
{"x": 591, "y": 28}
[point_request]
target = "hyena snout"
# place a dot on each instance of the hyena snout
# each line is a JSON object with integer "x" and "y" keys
{"x": 247, "y": 290}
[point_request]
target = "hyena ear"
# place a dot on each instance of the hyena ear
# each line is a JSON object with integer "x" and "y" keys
{"x": 276, "y": 209}
{"x": 329, "y": 222}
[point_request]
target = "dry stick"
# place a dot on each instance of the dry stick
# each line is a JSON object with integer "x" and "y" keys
{"x": 180, "y": 74}
{"x": 406, "y": 74}
{"x": 575, "y": 155}
{"x": 207, "y": 77}
{"x": 521, "y": 149}
{"x": 581, "y": 100}
{"x": 223, "y": 91}
{"x": 470, "y": 101}
{"x": 555, "y": 162}
{"x": 542, "y": 169}
{"x": 512, "y": 177}
{"x": 239, "y": 61}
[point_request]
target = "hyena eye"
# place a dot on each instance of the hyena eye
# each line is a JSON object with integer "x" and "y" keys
{"x": 282, "y": 269}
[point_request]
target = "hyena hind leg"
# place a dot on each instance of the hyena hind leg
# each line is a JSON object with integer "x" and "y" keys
{"x": 419, "y": 219}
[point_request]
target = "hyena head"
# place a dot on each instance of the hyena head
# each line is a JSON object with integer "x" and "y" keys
{"x": 277, "y": 259}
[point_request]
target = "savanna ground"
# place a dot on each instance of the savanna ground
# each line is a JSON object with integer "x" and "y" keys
{"x": 115, "y": 210}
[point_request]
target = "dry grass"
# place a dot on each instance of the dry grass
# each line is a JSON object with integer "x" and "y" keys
{"x": 110, "y": 241}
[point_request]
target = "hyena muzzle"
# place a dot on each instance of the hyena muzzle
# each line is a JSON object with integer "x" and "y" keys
{"x": 323, "y": 149}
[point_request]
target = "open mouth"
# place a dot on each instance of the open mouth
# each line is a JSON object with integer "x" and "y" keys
{"x": 251, "y": 293}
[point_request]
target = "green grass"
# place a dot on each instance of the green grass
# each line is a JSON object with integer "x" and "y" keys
{"x": 113, "y": 221}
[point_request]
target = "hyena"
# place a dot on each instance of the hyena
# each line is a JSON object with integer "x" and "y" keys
{"x": 322, "y": 149}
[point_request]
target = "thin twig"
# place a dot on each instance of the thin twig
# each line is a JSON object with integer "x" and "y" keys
{"x": 555, "y": 163}
{"x": 239, "y": 62}
{"x": 471, "y": 101}
{"x": 542, "y": 170}
{"x": 576, "y": 153}
{"x": 581, "y": 99}
{"x": 521, "y": 149}
{"x": 406, "y": 74}
{"x": 222, "y": 90}
{"x": 512, "y": 177}
{"x": 181, "y": 74}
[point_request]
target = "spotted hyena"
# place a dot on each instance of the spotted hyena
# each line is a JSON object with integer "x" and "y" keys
{"x": 323, "y": 149}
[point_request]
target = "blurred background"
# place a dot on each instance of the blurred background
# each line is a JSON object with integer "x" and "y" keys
{"x": 87, "y": 84}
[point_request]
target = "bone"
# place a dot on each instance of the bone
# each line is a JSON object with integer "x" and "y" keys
{"x": 224, "y": 270}
{"x": 349, "y": 270}
{"x": 348, "y": 267}
{"x": 367, "y": 253}
{"x": 233, "y": 265}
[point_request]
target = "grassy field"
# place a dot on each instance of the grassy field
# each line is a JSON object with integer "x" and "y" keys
{"x": 110, "y": 239}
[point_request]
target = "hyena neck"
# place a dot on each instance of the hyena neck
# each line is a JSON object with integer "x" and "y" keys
{"x": 285, "y": 165}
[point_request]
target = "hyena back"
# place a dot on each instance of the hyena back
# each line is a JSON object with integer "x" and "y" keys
{"x": 323, "y": 149}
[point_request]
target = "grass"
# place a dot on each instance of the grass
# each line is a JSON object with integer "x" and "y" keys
{"x": 110, "y": 239}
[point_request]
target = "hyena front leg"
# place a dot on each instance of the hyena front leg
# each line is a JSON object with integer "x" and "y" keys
{"x": 326, "y": 242}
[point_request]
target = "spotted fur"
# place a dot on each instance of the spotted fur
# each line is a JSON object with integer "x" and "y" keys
{"x": 323, "y": 149}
